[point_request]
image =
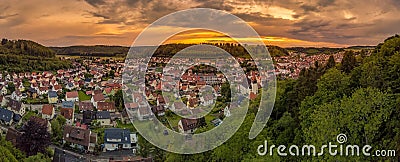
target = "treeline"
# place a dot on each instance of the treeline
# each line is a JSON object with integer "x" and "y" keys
{"x": 96, "y": 51}
{"x": 236, "y": 50}
{"x": 24, "y": 47}
{"x": 314, "y": 50}
{"x": 167, "y": 50}
{"x": 25, "y": 55}
{"x": 359, "y": 97}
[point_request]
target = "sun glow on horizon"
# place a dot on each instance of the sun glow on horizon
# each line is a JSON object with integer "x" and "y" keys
{"x": 206, "y": 36}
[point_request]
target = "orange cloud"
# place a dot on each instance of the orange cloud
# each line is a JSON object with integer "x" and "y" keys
{"x": 205, "y": 36}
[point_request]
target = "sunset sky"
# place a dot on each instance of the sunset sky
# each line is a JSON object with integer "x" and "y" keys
{"x": 333, "y": 23}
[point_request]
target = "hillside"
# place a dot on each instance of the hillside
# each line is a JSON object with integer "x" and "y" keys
{"x": 163, "y": 50}
{"x": 98, "y": 50}
{"x": 314, "y": 50}
{"x": 26, "y": 55}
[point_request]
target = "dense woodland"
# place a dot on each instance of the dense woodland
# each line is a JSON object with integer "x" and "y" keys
{"x": 25, "y": 55}
{"x": 314, "y": 50}
{"x": 358, "y": 97}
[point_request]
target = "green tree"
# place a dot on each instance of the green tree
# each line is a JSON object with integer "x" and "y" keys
{"x": 359, "y": 117}
{"x": 57, "y": 129}
{"x": 348, "y": 62}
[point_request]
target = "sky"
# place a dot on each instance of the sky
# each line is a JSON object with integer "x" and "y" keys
{"x": 286, "y": 23}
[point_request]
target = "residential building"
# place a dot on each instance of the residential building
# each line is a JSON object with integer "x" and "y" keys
{"x": 115, "y": 138}
{"x": 52, "y": 97}
{"x": 72, "y": 96}
{"x": 16, "y": 106}
{"x": 67, "y": 110}
{"x": 16, "y": 95}
{"x": 97, "y": 97}
{"x": 6, "y": 116}
{"x": 106, "y": 106}
{"x": 84, "y": 106}
{"x": 144, "y": 113}
{"x": 187, "y": 125}
{"x": 104, "y": 118}
{"x": 48, "y": 111}
{"x": 80, "y": 138}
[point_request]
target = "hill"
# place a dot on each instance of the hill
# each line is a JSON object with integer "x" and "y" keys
{"x": 98, "y": 51}
{"x": 26, "y": 55}
{"x": 162, "y": 51}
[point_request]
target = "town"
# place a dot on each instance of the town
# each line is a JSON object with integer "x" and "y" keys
{"x": 84, "y": 111}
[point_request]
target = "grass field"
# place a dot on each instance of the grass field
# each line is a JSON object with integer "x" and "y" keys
{"x": 83, "y": 96}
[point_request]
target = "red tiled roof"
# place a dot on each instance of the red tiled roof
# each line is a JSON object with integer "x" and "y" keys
{"x": 67, "y": 112}
{"x": 106, "y": 106}
{"x": 98, "y": 97}
{"x": 72, "y": 94}
{"x": 47, "y": 109}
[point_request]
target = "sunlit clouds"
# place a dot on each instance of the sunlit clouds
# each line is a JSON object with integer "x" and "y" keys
{"x": 333, "y": 23}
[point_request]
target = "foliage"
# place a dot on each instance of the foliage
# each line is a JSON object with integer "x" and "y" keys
{"x": 34, "y": 138}
{"x": 23, "y": 55}
{"x": 57, "y": 125}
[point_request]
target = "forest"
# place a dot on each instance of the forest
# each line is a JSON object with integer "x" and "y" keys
{"x": 24, "y": 55}
{"x": 358, "y": 97}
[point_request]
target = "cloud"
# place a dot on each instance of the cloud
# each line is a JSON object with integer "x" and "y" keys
{"x": 334, "y": 21}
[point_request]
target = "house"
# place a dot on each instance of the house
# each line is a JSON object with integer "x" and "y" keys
{"x": 16, "y": 106}
{"x": 16, "y": 95}
{"x": 67, "y": 110}
{"x": 70, "y": 86}
{"x": 132, "y": 106}
{"x": 106, "y": 106}
{"x": 187, "y": 125}
{"x": 6, "y": 116}
{"x": 43, "y": 90}
{"x": 57, "y": 88}
{"x": 80, "y": 138}
{"x": 48, "y": 111}
{"x": 52, "y": 97}
{"x": 97, "y": 97}
{"x": 108, "y": 91}
{"x": 88, "y": 116}
{"x": 104, "y": 118}
{"x": 84, "y": 106}
{"x": 32, "y": 92}
{"x": 65, "y": 156}
{"x": 72, "y": 96}
{"x": 159, "y": 110}
{"x": 3, "y": 90}
{"x": 207, "y": 99}
{"x": 115, "y": 138}
{"x": 144, "y": 113}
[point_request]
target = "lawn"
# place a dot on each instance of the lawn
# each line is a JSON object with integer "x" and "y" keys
{"x": 83, "y": 96}
{"x": 173, "y": 120}
{"x": 126, "y": 126}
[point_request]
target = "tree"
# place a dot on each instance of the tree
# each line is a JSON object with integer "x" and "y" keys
{"x": 6, "y": 155}
{"x": 331, "y": 62}
{"x": 56, "y": 128}
{"x": 348, "y": 62}
{"x": 119, "y": 100}
{"x": 360, "y": 117}
{"x": 36, "y": 158}
{"x": 34, "y": 138}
